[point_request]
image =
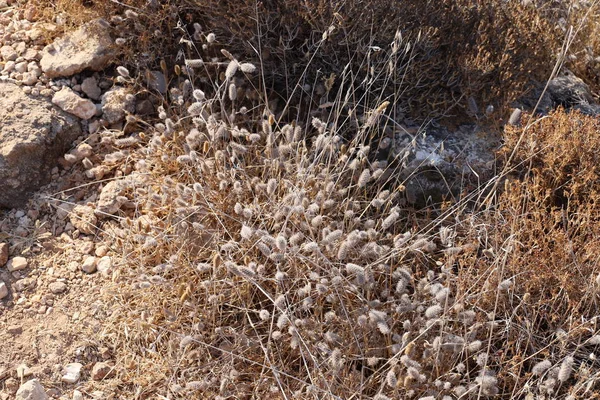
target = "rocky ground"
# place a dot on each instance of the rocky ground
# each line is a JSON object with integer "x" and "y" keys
{"x": 52, "y": 270}
{"x": 67, "y": 119}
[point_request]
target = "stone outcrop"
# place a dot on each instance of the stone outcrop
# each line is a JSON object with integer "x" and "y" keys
{"x": 90, "y": 46}
{"x": 33, "y": 135}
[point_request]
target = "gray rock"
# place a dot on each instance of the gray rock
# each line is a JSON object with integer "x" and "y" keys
{"x": 33, "y": 135}
{"x": 57, "y": 287}
{"x": 442, "y": 165}
{"x": 89, "y": 86}
{"x": 567, "y": 91}
{"x": 116, "y": 103}
{"x": 31, "y": 390}
{"x": 91, "y": 46}
{"x": 144, "y": 107}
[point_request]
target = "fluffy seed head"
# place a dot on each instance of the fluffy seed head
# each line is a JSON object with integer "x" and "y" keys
{"x": 564, "y": 373}
{"x": 124, "y": 72}
{"x": 364, "y": 178}
{"x": 232, "y": 68}
{"x": 247, "y": 68}
{"x": 194, "y": 63}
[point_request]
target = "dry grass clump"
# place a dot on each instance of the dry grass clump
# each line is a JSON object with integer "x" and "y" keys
{"x": 278, "y": 261}
{"x": 537, "y": 268}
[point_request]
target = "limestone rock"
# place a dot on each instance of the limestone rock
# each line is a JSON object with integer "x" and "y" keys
{"x": 8, "y": 53}
{"x": 16, "y": 264}
{"x": 70, "y": 102}
{"x": 89, "y": 265}
{"x": 33, "y": 135}
{"x": 71, "y": 372}
{"x": 31, "y": 390}
{"x": 91, "y": 46}
{"x": 115, "y": 103}
{"x": 104, "y": 266}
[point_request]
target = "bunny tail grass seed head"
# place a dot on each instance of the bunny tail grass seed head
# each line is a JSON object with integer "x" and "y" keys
{"x": 364, "y": 178}
{"x": 566, "y": 368}
{"x": 247, "y": 68}
{"x": 194, "y": 63}
{"x": 232, "y": 68}
{"x": 124, "y": 72}
{"x": 195, "y": 109}
{"x": 198, "y": 95}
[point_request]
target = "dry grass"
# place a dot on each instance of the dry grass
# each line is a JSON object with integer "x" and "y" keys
{"x": 268, "y": 252}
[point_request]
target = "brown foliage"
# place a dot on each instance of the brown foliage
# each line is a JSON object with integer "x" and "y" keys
{"x": 488, "y": 50}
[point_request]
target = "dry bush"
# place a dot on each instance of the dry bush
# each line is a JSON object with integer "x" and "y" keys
{"x": 273, "y": 260}
{"x": 537, "y": 268}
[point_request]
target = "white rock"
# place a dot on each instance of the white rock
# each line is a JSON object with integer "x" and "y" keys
{"x": 16, "y": 264}
{"x": 31, "y": 390}
{"x": 8, "y": 53}
{"x": 71, "y": 372}
{"x": 89, "y": 265}
{"x": 70, "y": 102}
{"x": 89, "y": 86}
{"x": 9, "y": 66}
{"x": 29, "y": 78}
{"x": 77, "y": 395}
{"x": 104, "y": 266}
{"x": 91, "y": 46}
{"x": 21, "y": 67}
{"x": 3, "y": 290}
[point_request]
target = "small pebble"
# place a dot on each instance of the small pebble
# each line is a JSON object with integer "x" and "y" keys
{"x": 57, "y": 287}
